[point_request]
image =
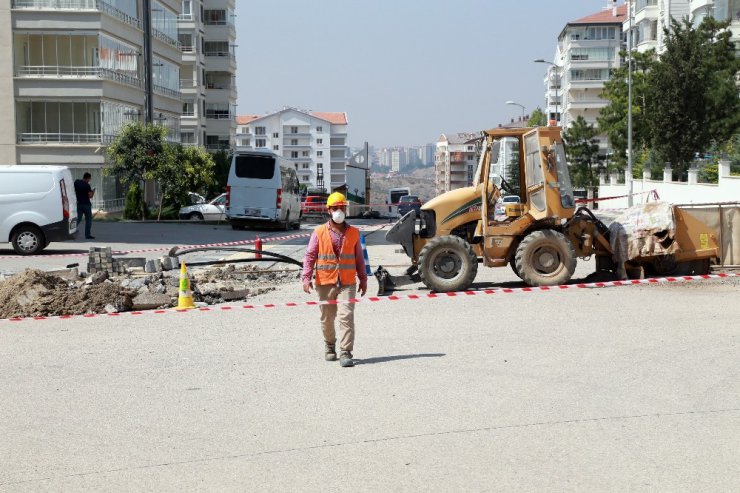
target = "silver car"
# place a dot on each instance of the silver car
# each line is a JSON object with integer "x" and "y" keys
{"x": 209, "y": 211}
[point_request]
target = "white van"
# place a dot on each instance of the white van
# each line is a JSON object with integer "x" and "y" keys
{"x": 37, "y": 206}
{"x": 262, "y": 189}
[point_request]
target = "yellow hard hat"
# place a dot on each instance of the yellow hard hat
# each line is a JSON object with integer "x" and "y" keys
{"x": 336, "y": 199}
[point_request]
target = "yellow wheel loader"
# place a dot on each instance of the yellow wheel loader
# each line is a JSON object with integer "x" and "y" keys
{"x": 521, "y": 211}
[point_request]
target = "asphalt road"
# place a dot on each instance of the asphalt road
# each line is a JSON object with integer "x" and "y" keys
{"x": 627, "y": 388}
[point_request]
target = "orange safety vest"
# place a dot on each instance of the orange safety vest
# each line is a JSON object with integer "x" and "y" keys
{"x": 329, "y": 268}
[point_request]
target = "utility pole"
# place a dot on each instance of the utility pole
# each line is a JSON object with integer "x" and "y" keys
{"x": 367, "y": 174}
{"x": 148, "y": 88}
{"x": 628, "y": 175}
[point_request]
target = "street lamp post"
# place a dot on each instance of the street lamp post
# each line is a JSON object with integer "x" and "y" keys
{"x": 521, "y": 106}
{"x": 556, "y": 70}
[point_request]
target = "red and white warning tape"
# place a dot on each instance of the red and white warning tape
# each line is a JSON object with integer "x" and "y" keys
{"x": 653, "y": 193}
{"x": 405, "y": 297}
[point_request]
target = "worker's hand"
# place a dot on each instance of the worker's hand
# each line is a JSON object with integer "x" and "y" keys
{"x": 363, "y": 287}
{"x": 307, "y": 287}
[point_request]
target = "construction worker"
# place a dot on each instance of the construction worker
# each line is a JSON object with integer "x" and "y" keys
{"x": 335, "y": 251}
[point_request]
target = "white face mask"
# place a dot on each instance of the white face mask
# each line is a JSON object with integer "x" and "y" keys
{"x": 337, "y": 216}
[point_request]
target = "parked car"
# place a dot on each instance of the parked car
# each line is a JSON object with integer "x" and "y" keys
{"x": 37, "y": 206}
{"x": 210, "y": 211}
{"x": 408, "y": 203}
{"x": 500, "y": 209}
{"x": 313, "y": 205}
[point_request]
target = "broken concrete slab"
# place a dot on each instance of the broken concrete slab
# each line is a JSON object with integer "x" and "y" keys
{"x": 150, "y": 301}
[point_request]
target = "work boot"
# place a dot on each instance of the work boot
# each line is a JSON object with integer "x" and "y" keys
{"x": 330, "y": 354}
{"x": 345, "y": 359}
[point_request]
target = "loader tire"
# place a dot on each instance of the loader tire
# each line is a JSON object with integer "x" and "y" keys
{"x": 447, "y": 263}
{"x": 545, "y": 258}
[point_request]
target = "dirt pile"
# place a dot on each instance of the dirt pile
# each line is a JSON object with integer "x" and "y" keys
{"x": 34, "y": 293}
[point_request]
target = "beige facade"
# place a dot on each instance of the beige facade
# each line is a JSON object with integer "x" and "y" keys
{"x": 78, "y": 76}
{"x": 454, "y": 161}
{"x": 208, "y": 81}
{"x": 7, "y": 120}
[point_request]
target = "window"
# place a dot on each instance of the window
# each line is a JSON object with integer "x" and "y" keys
{"x": 304, "y": 165}
{"x": 294, "y": 130}
{"x": 319, "y": 153}
{"x": 294, "y": 154}
{"x": 305, "y": 178}
{"x": 294, "y": 142}
{"x": 275, "y": 135}
{"x": 245, "y": 142}
{"x": 260, "y": 142}
{"x": 275, "y": 148}
{"x": 259, "y": 130}
{"x": 319, "y": 129}
{"x": 319, "y": 165}
{"x": 305, "y": 153}
{"x": 257, "y": 167}
{"x": 319, "y": 141}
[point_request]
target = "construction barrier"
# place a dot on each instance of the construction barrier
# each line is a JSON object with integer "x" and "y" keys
{"x": 406, "y": 297}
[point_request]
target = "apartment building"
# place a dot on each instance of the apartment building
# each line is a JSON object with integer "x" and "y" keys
{"x": 650, "y": 18}
{"x": 455, "y": 161}
{"x": 207, "y": 34}
{"x": 315, "y": 142}
{"x": 721, "y": 10}
{"x": 73, "y": 76}
{"x": 587, "y": 53}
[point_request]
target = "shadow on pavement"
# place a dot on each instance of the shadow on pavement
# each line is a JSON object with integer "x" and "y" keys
{"x": 386, "y": 359}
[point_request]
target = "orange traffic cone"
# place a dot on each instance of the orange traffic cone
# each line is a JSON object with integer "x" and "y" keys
{"x": 185, "y": 296}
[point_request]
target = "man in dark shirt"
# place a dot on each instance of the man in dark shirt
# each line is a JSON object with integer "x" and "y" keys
{"x": 84, "y": 193}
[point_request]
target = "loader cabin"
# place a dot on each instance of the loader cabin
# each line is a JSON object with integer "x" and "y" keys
{"x": 528, "y": 163}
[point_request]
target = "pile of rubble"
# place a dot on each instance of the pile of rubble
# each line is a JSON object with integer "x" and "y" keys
{"x": 119, "y": 286}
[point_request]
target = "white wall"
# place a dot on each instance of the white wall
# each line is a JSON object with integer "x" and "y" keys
{"x": 727, "y": 190}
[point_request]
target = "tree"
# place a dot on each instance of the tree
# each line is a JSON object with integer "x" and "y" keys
{"x": 186, "y": 169}
{"x": 537, "y": 118}
{"x": 692, "y": 96}
{"x": 583, "y": 152}
{"x": 612, "y": 119}
{"x": 222, "y": 165}
{"x": 135, "y": 154}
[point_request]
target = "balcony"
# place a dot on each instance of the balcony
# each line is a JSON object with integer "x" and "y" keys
{"x": 74, "y": 5}
{"x": 218, "y": 115}
{"x": 63, "y": 138}
{"x": 166, "y": 91}
{"x": 166, "y": 39}
{"x": 188, "y": 84}
{"x": 59, "y": 71}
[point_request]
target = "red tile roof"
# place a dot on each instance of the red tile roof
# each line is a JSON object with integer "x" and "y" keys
{"x": 333, "y": 118}
{"x": 604, "y": 17}
{"x": 244, "y": 119}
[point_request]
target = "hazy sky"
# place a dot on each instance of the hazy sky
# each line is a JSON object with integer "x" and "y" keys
{"x": 403, "y": 70}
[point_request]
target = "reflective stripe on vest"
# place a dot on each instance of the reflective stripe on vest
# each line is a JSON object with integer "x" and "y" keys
{"x": 329, "y": 269}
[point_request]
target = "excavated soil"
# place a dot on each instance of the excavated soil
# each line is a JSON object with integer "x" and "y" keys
{"x": 34, "y": 293}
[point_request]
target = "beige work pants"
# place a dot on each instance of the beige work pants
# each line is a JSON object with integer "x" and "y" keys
{"x": 345, "y": 312}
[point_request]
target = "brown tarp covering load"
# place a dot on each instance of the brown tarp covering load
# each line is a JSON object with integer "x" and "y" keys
{"x": 643, "y": 230}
